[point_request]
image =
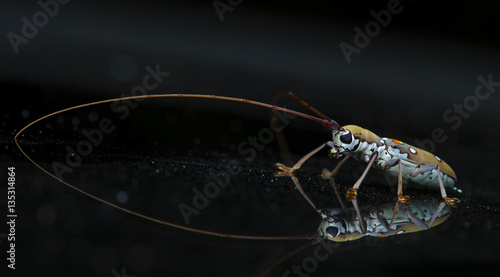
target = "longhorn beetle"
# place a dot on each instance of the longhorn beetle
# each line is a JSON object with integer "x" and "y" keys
{"x": 390, "y": 155}
{"x": 393, "y": 156}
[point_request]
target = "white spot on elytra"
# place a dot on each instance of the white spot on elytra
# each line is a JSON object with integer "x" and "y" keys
{"x": 413, "y": 151}
{"x": 438, "y": 158}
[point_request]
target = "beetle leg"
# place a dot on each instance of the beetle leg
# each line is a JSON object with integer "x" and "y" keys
{"x": 390, "y": 163}
{"x": 299, "y": 187}
{"x": 329, "y": 174}
{"x": 351, "y": 193}
{"x": 360, "y": 217}
{"x": 414, "y": 219}
{"x": 419, "y": 222}
{"x": 449, "y": 200}
{"x": 436, "y": 213}
{"x": 423, "y": 169}
{"x": 301, "y": 161}
{"x": 401, "y": 198}
{"x": 383, "y": 220}
{"x": 428, "y": 167}
{"x": 396, "y": 210}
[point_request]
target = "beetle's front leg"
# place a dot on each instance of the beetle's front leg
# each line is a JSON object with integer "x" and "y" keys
{"x": 401, "y": 198}
{"x": 352, "y": 193}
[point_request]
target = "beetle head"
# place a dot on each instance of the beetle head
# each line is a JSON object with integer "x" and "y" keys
{"x": 343, "y": 142}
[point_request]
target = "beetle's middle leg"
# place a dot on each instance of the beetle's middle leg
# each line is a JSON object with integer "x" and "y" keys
{"x": 401, "y": 198}
{"x": 329, "y": 174}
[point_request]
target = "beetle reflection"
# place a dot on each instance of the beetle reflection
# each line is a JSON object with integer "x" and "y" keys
{"x": 388, "y": 219}
{"x": 382, "y": 221}
{"x": 352, "y": 223}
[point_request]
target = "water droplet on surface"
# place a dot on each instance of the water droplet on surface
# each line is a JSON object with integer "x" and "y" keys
{"x": 122, "y": 196}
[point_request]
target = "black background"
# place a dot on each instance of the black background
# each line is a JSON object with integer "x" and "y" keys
{"x": 426, "y": 60}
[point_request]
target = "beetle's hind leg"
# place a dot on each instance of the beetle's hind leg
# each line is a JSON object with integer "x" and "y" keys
{"x": 449, "y": 200}
{"x": 429, "y": 167}
{"x": 401, "y": 198}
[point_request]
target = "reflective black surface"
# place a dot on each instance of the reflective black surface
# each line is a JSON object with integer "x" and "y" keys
{"x": 399, "y": 86}
{"x": 152, "y": 170}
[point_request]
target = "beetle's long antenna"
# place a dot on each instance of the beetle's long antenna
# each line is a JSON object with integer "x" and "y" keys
{"x": 324, "y": 122}
{"x": 332, "y": 124}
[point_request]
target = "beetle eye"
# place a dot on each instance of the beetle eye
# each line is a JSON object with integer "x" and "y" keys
{"x": 346, "y": 138}
{"x": 332, "y": 231}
